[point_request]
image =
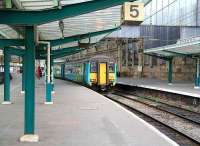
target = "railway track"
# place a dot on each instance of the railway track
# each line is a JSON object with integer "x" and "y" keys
{"x": 178, "y": 111}
{"x": 175, "y": 124}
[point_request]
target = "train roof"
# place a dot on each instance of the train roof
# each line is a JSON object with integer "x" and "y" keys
{"x": 101, "y": 57}
{"x": 95, "y": 58}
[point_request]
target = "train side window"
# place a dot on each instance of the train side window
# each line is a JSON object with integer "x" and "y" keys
{"x": 93, "y": 67}
{"x": 111, "y": 67}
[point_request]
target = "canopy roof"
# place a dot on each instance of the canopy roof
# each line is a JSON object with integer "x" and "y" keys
{"x": 188, "y": 47}
{"x": 86, "y": 23}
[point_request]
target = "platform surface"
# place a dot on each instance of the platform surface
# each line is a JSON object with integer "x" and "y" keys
{"x": 78, "y": 117}
{"x": 183, "y": 88}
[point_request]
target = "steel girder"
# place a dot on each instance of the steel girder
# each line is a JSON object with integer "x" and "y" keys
{"x": 15, "y": 51}
{"x": 66, "y": 54}
{"x": 19, "y": 17}
{"x": 11, "y": 42}
{"x": 79, "y": 37}
{"x": 20, "y": 42}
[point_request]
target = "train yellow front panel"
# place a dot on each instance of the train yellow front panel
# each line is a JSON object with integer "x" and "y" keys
{"x": 93, "y": 77}
{"x": 102, "y": 73}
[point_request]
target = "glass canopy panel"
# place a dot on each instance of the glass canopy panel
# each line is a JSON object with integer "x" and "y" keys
{"x": 87, "y": 23}
{"x": 8, "y": 32}
{"x": 68, "y": 2}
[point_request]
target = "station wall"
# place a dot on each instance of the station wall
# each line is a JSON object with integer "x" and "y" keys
{"x": 125, "y": 53}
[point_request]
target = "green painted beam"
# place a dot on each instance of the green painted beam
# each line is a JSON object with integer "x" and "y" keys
{"x": 79, "y": 37}
{"x": 11, "y": 42}
{"x": 65, "y": 50}
{"x": 175, "y": 53}
{"x": 66, "y": 54}
{"x": 160, "y": 57}
{"x": 15, "y": 51}
{"x": 28, "y": 17}
{"x": 59, "y": 51}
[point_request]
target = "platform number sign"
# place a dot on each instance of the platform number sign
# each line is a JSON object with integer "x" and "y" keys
{"x": 132, "y": 13}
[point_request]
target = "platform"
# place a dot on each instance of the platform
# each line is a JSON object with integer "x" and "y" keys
{"x": 182, "y": 88}
{"x": 78, "y": 117}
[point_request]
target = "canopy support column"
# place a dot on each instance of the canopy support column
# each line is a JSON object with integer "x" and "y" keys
{"x": 197, "y": 83}
{"x": 23, "y": 74}
{"x": 48, "y": 81}
{"x": 170, "y": 71}
{"x": 63, "y": 71}
{"x": 6, "y": 77}
{"x": 52, "y": 76}
{"x": 29, "y": 123}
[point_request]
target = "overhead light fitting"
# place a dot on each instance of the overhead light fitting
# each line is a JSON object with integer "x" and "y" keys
{"x": 61, "y": 26}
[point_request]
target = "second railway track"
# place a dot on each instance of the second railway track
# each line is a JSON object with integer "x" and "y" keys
{"x": 188, "y": 127}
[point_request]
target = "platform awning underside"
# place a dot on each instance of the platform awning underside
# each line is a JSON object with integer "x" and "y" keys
{"x": 87, "y": 23}
{"x": 187, "y": 49}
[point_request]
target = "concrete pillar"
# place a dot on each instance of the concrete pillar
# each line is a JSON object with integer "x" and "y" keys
{"x": 197, "y": 83}
{"x": 170, "y": 71}
{"x": 29, "y": 123}
{"x": 6, "y": 77}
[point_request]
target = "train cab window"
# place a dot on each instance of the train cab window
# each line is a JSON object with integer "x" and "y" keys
{"x": 93, "y": 67}
{"x": 111, "y": 67}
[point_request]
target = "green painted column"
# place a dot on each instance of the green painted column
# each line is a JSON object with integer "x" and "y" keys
{"x": 48, "y": 87}
{"x": 6, "y": 77}
{"x": 197, "y": 83}
{"x": 52, "y": 76}
{"x": 29, "y": 81}
{"x": 170, "y": 71}
{"x": 23, "y": 74}
{"x": 48, "y": 77}
{"x": 63, "y": 71}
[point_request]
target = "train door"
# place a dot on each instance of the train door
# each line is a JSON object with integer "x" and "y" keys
{"x": 102, "y": 73}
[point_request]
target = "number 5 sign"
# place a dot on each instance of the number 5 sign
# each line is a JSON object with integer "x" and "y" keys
{"x": 132, "y": 13}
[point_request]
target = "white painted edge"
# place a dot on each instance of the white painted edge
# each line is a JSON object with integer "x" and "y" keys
{"x": 6, "y": 102}
{"x": 170, "y": 84}
{"x": 29, "y": 138}
{"x": 163, "y": 89}
{"x": 48, "y": 103}
{"x": 145, "y": 123}
{"x": 22, "y": 92}
{"x": 196, "y": 87}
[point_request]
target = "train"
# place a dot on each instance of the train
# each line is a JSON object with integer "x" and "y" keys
{"x": 99, "y": 72}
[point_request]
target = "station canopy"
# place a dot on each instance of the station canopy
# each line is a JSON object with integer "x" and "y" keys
{"x": 189, "y": 47}
{"x": 83, "y": 24}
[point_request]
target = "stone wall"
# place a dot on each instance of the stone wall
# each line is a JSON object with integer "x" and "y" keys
{"x": 183, "y": 68}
